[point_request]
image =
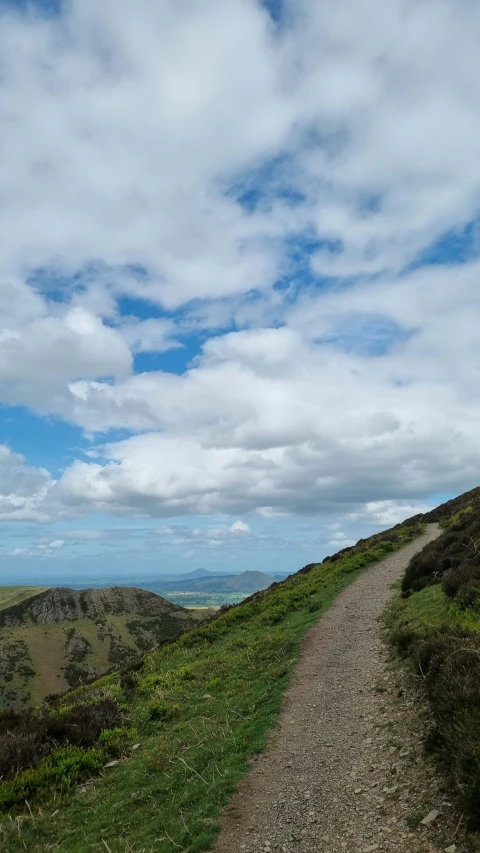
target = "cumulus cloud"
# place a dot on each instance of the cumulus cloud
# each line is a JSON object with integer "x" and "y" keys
{"x": 150, "y": 110}
{"x": 77, "y": 344}
{"x": 155, "y": 184}
{"x": 23, "y": 489}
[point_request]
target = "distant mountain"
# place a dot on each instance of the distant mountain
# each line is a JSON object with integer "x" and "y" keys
{"x": 58, "y": 637}
{"x": 247, "y": 582}
{"x": 197, "y": 573}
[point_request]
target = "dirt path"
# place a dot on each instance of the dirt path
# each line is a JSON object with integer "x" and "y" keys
{"x": 343, "y": 770}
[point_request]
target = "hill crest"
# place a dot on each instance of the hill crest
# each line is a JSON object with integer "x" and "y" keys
{"x": 60, "y": 604}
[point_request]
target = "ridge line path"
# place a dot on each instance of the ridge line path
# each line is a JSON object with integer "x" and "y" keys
{"x": 330, "y": 779}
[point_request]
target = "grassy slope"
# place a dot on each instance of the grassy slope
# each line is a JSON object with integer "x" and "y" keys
{"x": 11, "y": 595}
{"x": 201, "y": 708}
{"x": 440, "y": 635}
{"x": 39, "y": 663}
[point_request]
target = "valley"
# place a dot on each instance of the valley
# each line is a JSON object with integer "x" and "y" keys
{"x": 206, "y": 590}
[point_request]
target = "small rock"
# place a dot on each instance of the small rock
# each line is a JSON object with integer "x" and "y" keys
{"x": 404, "y": 752}
{"x": 370, "y": 849}
{"x": 207, "y": 696}
{"x": 451, "y": 849}
{"x": 135, "y": 746}
{"x": 430, "y": 817}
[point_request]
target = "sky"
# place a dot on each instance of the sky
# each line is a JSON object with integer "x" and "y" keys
{"x": 239, "y": 279}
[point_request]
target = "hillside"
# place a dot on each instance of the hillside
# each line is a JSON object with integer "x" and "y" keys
{"x": 55, "y": 638}
{"x": 11, "y": 595}
{"x": 196, "y": 712}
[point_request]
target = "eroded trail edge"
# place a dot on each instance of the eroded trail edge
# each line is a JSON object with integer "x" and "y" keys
{"x": 342, "y": 770}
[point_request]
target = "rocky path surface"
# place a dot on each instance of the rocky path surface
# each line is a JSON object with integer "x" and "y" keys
{"x": 344, "y": 769}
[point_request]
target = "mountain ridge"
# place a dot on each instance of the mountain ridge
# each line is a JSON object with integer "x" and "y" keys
{"x": 248, "y": 582}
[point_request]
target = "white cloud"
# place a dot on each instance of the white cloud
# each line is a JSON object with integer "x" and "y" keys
{"x": 22, "y": 489}
{"x": 240, "y": 528}
{"x": 127, "y": 124}
{"x": 388, "y": 513}
{"x": 37, "y": 361}
{"x": 123, "y": 131}
{"x": 127, "y": 135}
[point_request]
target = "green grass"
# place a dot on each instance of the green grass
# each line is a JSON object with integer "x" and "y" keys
{"x": 202, "y": 708}
{"x": 11, "y": 595}
{"x": 430, "y": 610}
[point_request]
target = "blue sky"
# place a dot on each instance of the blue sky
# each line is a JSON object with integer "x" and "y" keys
{"x": 239, "y": 271}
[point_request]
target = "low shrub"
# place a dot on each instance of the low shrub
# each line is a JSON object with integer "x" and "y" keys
{"x": 185, "y": 673}
{"x": 158, "y": 709}
{"x": 147, "y": 684}
{"x": 115, "y": 741}
{"x": 82, "y": 724}
{"x": 272, "y": 615}
{"x": 128, "y": 682}
{"x": 27, "y": 737}
{"x": 464, "y": 576}
{"x": 62, "y": 770}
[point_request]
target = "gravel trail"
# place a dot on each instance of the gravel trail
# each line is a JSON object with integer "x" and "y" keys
{"x": 344, "y": 769}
